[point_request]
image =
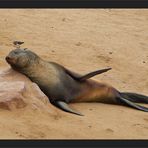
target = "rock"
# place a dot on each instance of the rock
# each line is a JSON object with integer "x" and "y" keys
{"x": 11, "y": 100}
{"x": 16, "y": 86}
{"x": 17, "y": 91}
{"x": 11, "y": 95}
{"x": 39, "y": 94}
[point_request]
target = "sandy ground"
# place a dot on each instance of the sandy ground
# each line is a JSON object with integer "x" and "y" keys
{"x": 82, "y": 40}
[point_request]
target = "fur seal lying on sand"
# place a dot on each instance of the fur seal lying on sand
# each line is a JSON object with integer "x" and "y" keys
{"x": 63, "y": 86}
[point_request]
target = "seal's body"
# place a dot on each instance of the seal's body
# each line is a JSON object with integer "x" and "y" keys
{"x": 63, "y": 86}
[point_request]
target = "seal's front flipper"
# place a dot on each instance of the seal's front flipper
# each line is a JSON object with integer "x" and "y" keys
{"x": 131, "y": 104}
{"x": 64, "y": 106}
{"x": 86, "y": 76}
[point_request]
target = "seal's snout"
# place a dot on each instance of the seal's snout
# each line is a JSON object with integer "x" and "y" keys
{"x": 7, "y": 58}
{"x": 10, "y": 60}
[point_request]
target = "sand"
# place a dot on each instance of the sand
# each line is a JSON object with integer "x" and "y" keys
{"x": 82, "y": 40}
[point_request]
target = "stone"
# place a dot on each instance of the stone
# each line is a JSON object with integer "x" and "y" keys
{"x": 11, "y": 95}
{"x": 17, "y": 91}
{"x": 11, "y": 101}
{"x": 16, "y": 86}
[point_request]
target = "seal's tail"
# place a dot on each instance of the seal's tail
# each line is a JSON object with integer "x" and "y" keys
{"x": 129, "y": 99}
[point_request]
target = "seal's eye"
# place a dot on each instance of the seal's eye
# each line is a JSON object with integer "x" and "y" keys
{"x": 15, "y": 52}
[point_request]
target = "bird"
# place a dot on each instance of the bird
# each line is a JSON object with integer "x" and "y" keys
{"x": 17, "y": 44}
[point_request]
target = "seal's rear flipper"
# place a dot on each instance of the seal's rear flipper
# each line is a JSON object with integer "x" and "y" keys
{"x": 62, "y": 105}
{"x": 131, "y": 104}
{"x": 86, "y": 76}
{"x": 79, "y": 77}
{"x": 134, "y": 97}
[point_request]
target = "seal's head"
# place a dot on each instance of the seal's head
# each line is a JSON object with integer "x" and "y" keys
{"x": 20, "y": 58}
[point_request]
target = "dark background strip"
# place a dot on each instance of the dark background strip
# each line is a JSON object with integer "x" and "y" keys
{"x": 73, "y": 4}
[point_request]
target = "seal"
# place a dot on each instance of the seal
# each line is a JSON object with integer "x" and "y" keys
{"x": 63, "y": 86}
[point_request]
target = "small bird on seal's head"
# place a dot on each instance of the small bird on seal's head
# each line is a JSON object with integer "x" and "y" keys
{"x": 17, "y": 44}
